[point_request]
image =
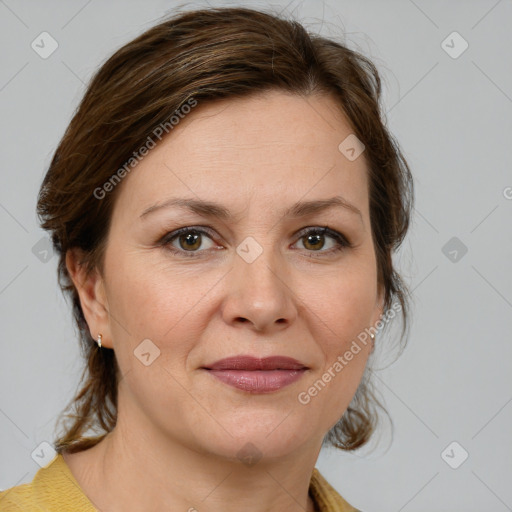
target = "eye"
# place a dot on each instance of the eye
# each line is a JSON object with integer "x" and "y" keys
{"x": 313, "y": 239}
{"x": 189, "y": 241}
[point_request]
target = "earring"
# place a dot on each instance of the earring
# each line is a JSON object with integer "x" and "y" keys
{"x": 98, "y": 341}
{"x": 372, "y": 336}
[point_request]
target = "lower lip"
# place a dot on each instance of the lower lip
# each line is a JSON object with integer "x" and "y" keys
{"x": 258, "y": 381}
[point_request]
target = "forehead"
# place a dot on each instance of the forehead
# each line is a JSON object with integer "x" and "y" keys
{"x": 265, "y": 150}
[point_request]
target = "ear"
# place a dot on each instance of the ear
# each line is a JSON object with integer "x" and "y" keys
{"x": 93, "y": 299}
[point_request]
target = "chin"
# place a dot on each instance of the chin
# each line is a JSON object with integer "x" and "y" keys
{"x": 256, "y": 436}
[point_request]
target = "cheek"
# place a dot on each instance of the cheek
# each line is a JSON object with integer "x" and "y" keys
{"x": 156, "y": 301}
{"x": 343, "y": 312}
{"x": 149, "y": 302}
{"x": 150, "y": 297}
{"x": 346, "y": 307}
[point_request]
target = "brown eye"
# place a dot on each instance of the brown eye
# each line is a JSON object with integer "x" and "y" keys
{"x": 314, "y": 242}
{"x": 314, "y": 239}
{"x": 190, "y": 241}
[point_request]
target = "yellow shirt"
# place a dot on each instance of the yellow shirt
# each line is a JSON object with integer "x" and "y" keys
{"x": 54, "y": 489}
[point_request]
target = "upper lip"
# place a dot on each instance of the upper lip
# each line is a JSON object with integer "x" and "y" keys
{"x": 254, "y": 363}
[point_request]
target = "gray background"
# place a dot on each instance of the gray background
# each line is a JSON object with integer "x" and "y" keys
{"x": 453, "y": 119}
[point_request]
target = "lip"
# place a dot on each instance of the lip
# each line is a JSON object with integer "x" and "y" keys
{"x": 251, "y": 363}
{"x": 257, "y": 375}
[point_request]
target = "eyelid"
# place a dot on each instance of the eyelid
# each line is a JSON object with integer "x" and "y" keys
{"x": 324, "y": 230}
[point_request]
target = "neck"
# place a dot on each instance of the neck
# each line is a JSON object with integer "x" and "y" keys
{"x": 127, "y": 471}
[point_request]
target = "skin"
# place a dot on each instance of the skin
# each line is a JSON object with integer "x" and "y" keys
{"x": 179, "y": 428}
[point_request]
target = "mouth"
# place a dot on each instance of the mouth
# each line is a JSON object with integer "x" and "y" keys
{"x": 256, "y": 375}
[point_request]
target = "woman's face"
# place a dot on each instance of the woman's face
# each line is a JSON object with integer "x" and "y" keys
{"x": 253, "y": 282}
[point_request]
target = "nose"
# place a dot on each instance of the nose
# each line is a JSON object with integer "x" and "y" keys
{"x": 259, "y": 294}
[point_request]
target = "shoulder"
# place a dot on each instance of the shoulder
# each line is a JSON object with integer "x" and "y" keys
{"x": 326, "y": 498}
{"x": 16, "y": 498}
{"x": 53, "y": 488}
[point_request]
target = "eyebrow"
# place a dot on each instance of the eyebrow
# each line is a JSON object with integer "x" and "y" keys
{"x": 212, "y": 209}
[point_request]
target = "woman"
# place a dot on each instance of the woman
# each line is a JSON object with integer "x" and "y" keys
{"x": 225, "y": 203}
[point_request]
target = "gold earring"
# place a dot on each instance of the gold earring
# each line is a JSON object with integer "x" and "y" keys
{"x": 98, "y": 341}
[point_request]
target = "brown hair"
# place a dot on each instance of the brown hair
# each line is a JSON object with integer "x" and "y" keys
{"x": 209, "y": 54}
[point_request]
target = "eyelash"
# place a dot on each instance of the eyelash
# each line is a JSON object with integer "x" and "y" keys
{"x": 166, "y": 240}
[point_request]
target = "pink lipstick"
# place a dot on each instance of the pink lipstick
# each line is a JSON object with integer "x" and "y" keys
{"x": 257, "y": 375}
